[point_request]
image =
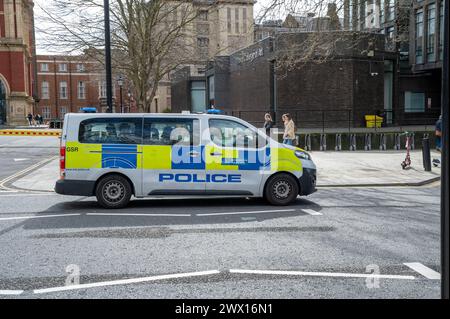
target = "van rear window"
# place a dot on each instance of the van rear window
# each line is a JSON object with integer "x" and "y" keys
{"x": 111, "y": 131}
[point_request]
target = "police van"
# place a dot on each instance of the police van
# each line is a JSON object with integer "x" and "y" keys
{"x": 116, "y": 156}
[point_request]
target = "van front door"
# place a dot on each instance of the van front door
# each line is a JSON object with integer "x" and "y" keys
{"x": 234, "y": 162}
{"x": 172, "y": 157}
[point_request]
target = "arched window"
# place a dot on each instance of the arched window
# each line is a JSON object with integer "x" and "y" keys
{"x": 45, "y": 90}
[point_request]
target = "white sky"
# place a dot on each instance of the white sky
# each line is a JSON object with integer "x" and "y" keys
{"x": 40, "y": 24}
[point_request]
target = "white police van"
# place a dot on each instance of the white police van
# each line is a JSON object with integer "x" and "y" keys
{"x": 116, "y": 156}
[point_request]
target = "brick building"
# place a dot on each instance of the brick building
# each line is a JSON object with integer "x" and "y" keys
{"x": 69, "y": 83}
{"x": 340, "y": 90}
{"x": 16, "y": 60}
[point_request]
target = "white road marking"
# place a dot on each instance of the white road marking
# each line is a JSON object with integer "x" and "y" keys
{"x": 43, "y": 216}
{"x": 318, "y": 274}
{"x": 20, "y": 159}
{"x": 128, "y": 214}
{"x": 11, "y": 292}
{"x": 23, "y": 172}
{"x": 126, "y": 281}
{"x": 19, "y": 194}
{"x": 311, "y": 212}
{"x": 424, "y": 270}
{"x": 250, "y": 212}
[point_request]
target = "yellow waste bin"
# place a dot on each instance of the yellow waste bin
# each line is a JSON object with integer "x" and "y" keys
{"x": 373, "y": 120}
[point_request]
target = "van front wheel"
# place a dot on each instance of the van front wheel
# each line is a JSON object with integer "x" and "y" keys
{"x": 113, "y": 191}
{"x": 281, "y": 189}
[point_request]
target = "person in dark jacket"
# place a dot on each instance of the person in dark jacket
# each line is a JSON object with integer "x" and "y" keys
{"x": 30, "y": 119}
{"x": 268, "y": 123}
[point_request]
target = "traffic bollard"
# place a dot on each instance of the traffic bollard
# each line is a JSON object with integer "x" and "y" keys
{"x": 382, "y": 142}
{"x": 338, "y": 146}
{"x": 368, "y": 142}
{"x": 426, "y": 156}
{"x": 397, "y": 142}
{"x": 353, "y": 142}
{"x": 307, "y": 142}
{"x": 323, "y": 142}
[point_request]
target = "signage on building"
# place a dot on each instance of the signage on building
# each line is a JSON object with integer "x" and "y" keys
{"x": 252, "y": 55}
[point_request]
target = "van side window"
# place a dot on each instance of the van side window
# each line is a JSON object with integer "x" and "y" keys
{"x": 171, "y": 131}
{"x": 228, "y": 133}
{"x": 111, "y": 131}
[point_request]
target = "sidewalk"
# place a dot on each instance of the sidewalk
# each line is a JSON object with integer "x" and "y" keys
{"x": 335, "y": 169}
{"x": 376, "y": 168}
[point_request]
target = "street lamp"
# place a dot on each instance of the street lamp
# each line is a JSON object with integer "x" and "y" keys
{"x": 120, "y": 83}
{"x": 108, "y": 57}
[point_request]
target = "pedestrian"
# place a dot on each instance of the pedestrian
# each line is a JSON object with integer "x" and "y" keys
{"x": 41, "y": 119}
{"x": 289, "y": 129}
{"x": 268, "y": 123}
{"x": 36, "y": 120}
{"x": 30, "y": 119}
{"x": 438, "y": 134}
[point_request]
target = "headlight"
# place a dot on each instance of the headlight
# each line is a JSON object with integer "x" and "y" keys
{"x": 302, "y": 155}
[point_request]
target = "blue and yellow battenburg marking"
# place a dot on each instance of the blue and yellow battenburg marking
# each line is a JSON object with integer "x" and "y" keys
{"x": 177, "y": 157}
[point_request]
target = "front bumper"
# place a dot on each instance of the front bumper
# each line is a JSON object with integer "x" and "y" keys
{"x": 308, "y": 181}
{"x": 75, "y": 187}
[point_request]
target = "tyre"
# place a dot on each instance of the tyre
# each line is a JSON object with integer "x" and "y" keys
{"x": 113, "y": 191}
{"x": 281, "y": 189}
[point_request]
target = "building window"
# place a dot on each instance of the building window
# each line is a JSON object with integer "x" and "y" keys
{"x": 390, "y": 38}
{"x": 102, "y": 89}
{"x": 431, "y": 36}
{"x": 202, "y": 42}
{"x": 44, "y": 67}
{"x": 236, "y": 19}
{"x": 381, "y": 11}
{"x": 80, "y": 67}
{"x": 244, "y": 20}
{"x": 441, "y": 29}
{"x": 203, "y": 15}
{"x": 62, "y": 112}
{"x": 63, "y": 90}
{"x": 419, "y": 36}
{"x": 390, "y": 15}
{"x": 198, "y": 96}
{"x": 229, "y": 20}
{"x": 81, "y": 90}
{"x": 414, "y": 102}
{"x": 46, "y": 112}
{"x": 45, "y": 90}
{"x": 62, "y": 67}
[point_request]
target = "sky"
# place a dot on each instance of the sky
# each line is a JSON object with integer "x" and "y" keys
{"x": 40, "y": 22}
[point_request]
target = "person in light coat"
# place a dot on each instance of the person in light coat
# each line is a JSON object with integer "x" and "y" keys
{"x": 289, "y": 129}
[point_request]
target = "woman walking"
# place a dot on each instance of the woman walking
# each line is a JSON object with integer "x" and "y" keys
{"x": 268, "y": 123}
{"x": 289, "y": 129}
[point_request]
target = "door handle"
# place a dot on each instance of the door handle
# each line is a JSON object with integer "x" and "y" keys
{"x": 215, "y": 154}
{"x": 194, "y": 154}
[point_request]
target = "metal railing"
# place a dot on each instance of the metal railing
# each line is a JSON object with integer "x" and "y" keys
{"x": 344, "y": 118}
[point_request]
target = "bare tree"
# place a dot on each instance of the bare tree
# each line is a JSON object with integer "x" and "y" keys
{"x": 150, "y": 38}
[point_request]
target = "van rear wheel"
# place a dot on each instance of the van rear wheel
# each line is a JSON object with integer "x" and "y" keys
{"x": 113, "y": 191}
{"x": 281, "y": 189}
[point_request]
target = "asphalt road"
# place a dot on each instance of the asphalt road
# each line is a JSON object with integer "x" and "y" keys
{"x": 18, "y": 153}
{"x": 332, "y": 237}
